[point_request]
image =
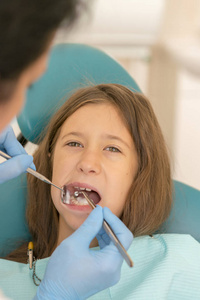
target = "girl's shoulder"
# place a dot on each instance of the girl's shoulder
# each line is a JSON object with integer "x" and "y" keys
{"x": 169, "y": 246}
{"x": 178, "y": 251}
{"x": 167, "y": 241}
{"x": 163, "y": 266}
{"x": 181, "y": 244}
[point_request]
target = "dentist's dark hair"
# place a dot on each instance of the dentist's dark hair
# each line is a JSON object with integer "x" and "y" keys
{"x": 26, "y": 30}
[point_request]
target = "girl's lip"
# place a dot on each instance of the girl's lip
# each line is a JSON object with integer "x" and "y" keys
{"x": 78, "y": 208}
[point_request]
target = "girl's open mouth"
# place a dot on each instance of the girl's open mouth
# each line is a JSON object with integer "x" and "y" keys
{"x": 68, "y": 196}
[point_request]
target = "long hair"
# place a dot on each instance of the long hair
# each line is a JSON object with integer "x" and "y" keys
{"x": 150, "y": 196}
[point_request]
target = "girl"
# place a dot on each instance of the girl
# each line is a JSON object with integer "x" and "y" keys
{"x": 106, "y": 140}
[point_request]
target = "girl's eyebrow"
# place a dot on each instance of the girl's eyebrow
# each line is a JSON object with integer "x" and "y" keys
{"x": 105, "y": 136}
{"x": 117, "y": 138}
{"x": 72, "y": 133}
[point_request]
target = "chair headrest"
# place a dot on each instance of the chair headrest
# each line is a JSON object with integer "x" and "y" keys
{"x": 71, "y": 66}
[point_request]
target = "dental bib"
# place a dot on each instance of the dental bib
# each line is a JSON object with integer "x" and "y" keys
{"x": 166, "y": 267}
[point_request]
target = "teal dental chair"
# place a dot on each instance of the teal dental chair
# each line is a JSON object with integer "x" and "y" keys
{"x": 72, "y": 66}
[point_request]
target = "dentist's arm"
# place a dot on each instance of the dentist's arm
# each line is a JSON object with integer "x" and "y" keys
{"x": 75, "y": 271}
{"x": 19, "y": 162}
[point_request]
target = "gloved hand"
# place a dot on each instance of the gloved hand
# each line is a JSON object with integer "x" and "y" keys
{"x": 19, "y": 162}
{"x": 75, "y": 271}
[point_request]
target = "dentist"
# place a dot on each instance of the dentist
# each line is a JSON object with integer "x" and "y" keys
{"x": 27, "y": 29}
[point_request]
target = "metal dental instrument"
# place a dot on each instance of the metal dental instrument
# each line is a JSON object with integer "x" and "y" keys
{"x": 110, "y": 233}
{"x": 33, "y": 172}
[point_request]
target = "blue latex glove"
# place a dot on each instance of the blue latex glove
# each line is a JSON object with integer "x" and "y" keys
{"x": 75, "y": 271}
{"x": 19, "y": 162}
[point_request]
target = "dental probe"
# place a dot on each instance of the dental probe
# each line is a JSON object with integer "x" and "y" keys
{"x": 109, "y": 231}
{"x": 32, "y": 172}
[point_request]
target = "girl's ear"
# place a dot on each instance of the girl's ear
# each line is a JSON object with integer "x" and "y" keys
{"x": 49, "y": 154}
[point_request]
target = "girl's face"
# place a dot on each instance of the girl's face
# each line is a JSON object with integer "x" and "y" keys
{"x": 95, "y": 151}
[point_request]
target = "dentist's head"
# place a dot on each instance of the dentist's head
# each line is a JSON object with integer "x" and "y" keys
{"x": 27, "y": 31}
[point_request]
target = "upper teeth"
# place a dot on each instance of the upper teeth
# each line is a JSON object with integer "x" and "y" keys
{"x": 83, "y": 189}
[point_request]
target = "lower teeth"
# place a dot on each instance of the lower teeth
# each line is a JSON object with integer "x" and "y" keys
{"x": 76, "y": 201}
{"x": 79, "y": 201}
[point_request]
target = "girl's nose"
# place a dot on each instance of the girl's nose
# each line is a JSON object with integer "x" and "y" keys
{"x": 89, "y": 163}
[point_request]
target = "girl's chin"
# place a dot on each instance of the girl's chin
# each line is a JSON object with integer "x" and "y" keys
{"x": 70, "y": 225}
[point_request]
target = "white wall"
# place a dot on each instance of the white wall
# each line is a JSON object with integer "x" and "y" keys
{"x": 176, "y": 57}
{"x": 187, "y": 131}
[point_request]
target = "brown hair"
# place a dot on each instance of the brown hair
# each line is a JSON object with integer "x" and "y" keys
{"x": 150, "y": 197}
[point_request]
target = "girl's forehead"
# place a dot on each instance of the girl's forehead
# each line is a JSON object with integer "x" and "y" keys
{"x": 98, "y": 122}
{"x": 103, "y": 113}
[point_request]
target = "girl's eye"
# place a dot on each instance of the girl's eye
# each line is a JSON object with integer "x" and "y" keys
{"x": 112, "y": 149}
{"x": 74, "y": 144}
